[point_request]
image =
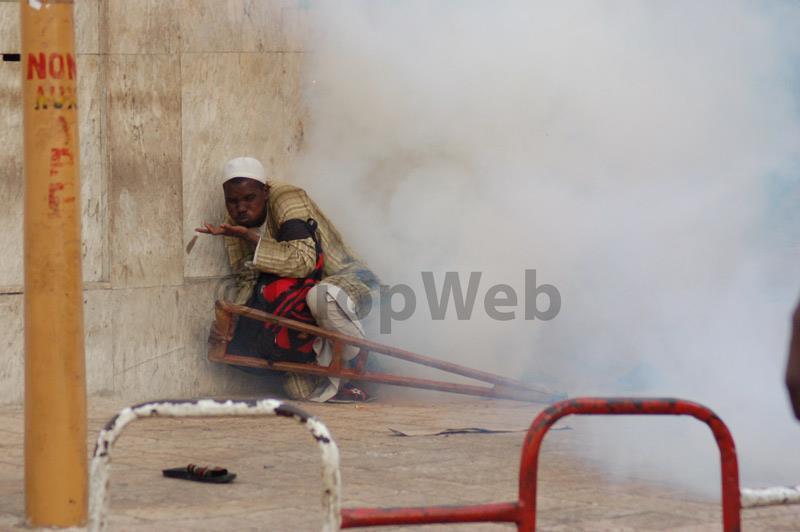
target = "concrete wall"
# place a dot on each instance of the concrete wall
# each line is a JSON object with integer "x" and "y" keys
{"x": 168, "y": 89}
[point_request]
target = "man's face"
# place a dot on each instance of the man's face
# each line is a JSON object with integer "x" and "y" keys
{"x": 246, "y": 200}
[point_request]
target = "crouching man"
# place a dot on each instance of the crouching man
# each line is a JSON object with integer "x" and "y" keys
{"x": 289, "y": 259}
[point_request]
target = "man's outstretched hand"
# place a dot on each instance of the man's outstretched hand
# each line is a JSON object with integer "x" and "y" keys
{"x": 793, "y": 367}
{"x": 238, "y": 231}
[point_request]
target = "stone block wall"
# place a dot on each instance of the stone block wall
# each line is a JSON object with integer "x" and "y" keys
{"x": 168, "y": 90}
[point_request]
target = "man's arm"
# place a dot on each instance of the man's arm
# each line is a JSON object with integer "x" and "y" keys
{"x": 226, "y": 229}
{"x": 236, "y": 239}
{"x": 793, "y": 367}
{"x": 291, "y": 258}
{"x": 292, "y": 253}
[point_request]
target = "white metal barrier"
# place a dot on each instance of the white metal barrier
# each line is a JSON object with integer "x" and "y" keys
{"x": 101, "y": 459}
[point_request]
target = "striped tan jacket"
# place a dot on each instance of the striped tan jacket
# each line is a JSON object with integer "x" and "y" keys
{"x": 296, "y": 258}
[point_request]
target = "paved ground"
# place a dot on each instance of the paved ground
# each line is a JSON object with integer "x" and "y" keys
{"x": 278, "y": 487}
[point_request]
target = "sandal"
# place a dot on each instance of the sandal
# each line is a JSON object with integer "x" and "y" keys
{"x": 350, "y": 394}
{"x": 216, "y": 475}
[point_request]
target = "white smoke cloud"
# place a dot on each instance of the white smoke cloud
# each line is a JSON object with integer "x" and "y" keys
{"x": 643, "y": 157}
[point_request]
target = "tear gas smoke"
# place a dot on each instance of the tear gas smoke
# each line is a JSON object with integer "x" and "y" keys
{"x": 643, "y": 157}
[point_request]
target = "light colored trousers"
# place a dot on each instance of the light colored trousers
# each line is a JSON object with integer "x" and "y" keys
{"x": 334, "y": 311}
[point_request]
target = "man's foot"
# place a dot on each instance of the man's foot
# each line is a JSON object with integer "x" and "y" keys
{"x": 299, "y": 387}
{"x": 350, "y": 393}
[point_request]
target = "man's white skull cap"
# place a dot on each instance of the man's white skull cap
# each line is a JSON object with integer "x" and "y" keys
{"x": 244, "y": 167}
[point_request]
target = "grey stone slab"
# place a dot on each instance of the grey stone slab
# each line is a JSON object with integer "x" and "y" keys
{"x": 197, "y": 314}
{"x": 11, "y": 178}
{"x": 211, "y": 25}
{"x": 243, "y": 26}
{"x": 297, "y": 24}
{"x": 233, "y": 104}
{"x": 87, "y": 26}
{"x": 296, "y": 112}
{"x": 144, "y": 146}
{"x": 276, "y": 25}
{"x": 98, "y": 345}
{"x": 139, "y": 26}
{"x": 94, "y": 202}
{"x": 12, "y": 357}
{"x": 148, "y": 348}
{"x": 9, "y": 28}
{"x": 160, "y": 345}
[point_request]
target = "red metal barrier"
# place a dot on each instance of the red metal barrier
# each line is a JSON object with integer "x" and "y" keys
{"x": 523, "y": 512}
{"x": 616, "y": 406}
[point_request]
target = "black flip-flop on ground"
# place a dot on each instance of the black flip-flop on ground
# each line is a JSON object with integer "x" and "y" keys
{"x": 216, "y": 475}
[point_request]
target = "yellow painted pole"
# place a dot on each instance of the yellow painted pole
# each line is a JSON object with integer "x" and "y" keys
{"x": 55, "y": 380}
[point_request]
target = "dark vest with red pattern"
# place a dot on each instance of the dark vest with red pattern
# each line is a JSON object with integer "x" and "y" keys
{"x": 285, "y": 297}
